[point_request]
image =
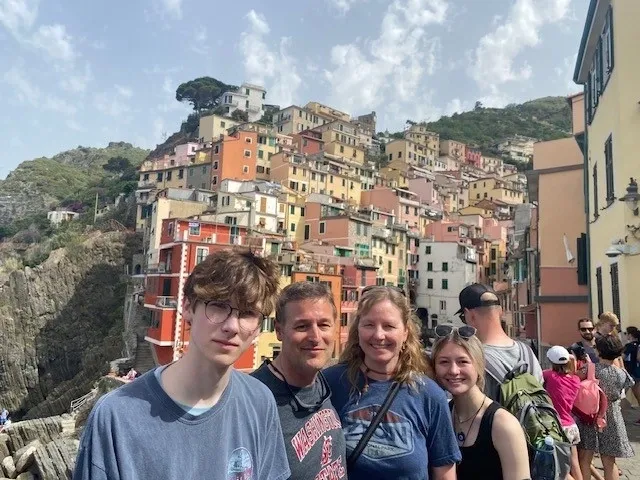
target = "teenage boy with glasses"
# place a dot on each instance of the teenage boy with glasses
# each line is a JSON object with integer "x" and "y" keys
{"x": 197, "y": 417}
{"x": 306, "y": 326}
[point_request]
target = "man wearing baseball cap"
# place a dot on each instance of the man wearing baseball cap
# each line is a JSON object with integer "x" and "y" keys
{"x": 481, "y": 308}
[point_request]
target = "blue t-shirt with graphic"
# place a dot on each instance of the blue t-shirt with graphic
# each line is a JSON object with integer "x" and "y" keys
{"x": 137, "y": 432}
{"x": 415, "y": 435}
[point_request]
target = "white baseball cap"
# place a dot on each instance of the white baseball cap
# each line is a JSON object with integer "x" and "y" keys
{"x": 558, "y": 355}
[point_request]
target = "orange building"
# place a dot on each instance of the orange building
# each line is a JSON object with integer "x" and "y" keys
{"x": 183, "y": 244}
{"x": 308, "y": 142}
{"x": 234, "y": 157}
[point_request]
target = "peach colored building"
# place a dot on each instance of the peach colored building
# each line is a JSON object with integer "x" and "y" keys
{"x": 308, "y": 142}
{"x": 403, "y": 203}
{"x": 234, "y": 157}
{"x": 557, "y": 184}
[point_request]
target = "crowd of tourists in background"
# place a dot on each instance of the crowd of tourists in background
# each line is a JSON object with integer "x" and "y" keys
{"x": 479, "y": 406}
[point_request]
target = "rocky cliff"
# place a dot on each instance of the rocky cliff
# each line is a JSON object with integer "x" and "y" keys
{"x": 61, "y": 323}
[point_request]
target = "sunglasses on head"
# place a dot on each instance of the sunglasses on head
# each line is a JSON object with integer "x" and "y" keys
{"x": 365, "y": 290}
{"x": 465, "y": 331}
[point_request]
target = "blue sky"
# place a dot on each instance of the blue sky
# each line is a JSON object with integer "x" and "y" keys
{"x": 78, "y": 72}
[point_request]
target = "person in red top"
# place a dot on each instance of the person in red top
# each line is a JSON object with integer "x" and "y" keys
{"x": 562, "y": 384}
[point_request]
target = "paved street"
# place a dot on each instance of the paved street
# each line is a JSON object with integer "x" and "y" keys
{"x": 630, "y": 466}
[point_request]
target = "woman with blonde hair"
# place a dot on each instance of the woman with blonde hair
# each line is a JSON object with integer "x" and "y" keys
{"x": 395, "y": 418}
{"x": 492, "y": 441}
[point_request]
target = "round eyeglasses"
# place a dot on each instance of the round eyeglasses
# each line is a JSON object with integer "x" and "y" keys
{"x": 465, "y": 331}
{"x": 219, "y": 312}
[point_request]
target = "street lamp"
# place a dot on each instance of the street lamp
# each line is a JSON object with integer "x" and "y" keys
{"x": 632, "y": 197}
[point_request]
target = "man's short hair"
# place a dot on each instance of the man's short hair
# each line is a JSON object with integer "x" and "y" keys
{"x": 236, "y": 275}
{"x": 582, "y": 320}
{"x": 299, "y": 291}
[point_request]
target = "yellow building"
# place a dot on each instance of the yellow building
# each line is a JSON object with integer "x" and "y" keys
{"x": 292, "y": 210}
{"x": 213, "y": 127}
{"x": 395, "y": 174}
{"x": 420, "y": 135}
{"x": 385, "y": 252}
{"x": 607, "y": 65}
{"x": 492, "y": 188}
{"x": 317, "y": 174}
{"x": 409, "y": 152}
{"x": 341, "y": 140}
{"x": 324, "y": 110}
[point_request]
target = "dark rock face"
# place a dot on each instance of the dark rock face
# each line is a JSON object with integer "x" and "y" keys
{"x": 61, "y": 324}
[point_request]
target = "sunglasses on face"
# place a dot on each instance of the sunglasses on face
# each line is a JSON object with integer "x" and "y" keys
{"x": 587, "y": 329}
{"x": 464, "y": 331}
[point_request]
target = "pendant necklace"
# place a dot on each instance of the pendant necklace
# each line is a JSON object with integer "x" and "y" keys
{"x": 365, "y": 389}
{"x": 461, "y": 436}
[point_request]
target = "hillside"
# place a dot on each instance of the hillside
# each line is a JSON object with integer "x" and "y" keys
{"x": 36, "y": 185}
{"x": 547, "y": 118}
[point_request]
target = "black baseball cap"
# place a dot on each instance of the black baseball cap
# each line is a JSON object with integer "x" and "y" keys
{"x": 471, "y": 297}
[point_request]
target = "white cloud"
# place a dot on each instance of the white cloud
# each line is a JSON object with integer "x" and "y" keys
{"x": 18, "y": 15}
{"x": 28, "y": 93}
{"x": 167, "y": 86}
{"x": 343, "y": 6}
{"x": 77, "y": 83}
{"x": 276, "y": 70}
{"x": 110, "y": 105}
{"x": 391, "y": 69}
{"x": 565, "y": 75}
{"x": 123, "y": 91}
{"x": 495, "y": 56}
{"x": 54, "y": 41}
{"x": 172, "y": 7}
{"x": 200, "y": 44}
{"x": 457, "y": 106}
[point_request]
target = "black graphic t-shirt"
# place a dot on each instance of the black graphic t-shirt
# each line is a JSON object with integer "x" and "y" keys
{"x": 314, "y": 440}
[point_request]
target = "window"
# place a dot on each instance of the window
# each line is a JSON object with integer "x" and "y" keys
{"x": 194, "y": 228}
{"x": 344, "y": 319}
{"x": 429, "y": 266}
{"x": 389, "y": 267}
{"x": 181, "y": 173}
{"x": 427, "y": 250}
{"x": 293, "y": 227}
{"x": 599, "y": 290}
{"x": 214, "y": 180}
{"x": 445, "y": 266}
{"x": 159, "y": 177}
{"x": 215, "y": 165}
{"x": 222, "y": 125}
{"x": 201, "y": 254}
{"x": 430, "y": 283}
{"x": 608, "y": 165}
{"x": 302, "y": 211}
{"x": 169, "y": 176}
{"x": 248, "y": 140}
{"x": 292, "y": 209}
{"x": 596, "y": 212}
{"x": 307, "y": 232}
{"x": 245, "y": 169}
{"x": 216, "y": 149}
{"x": 443, "y": 305}
{"x": 247, "y": 153}
{"x": 321, "y": 228}
{"x": 259, "y": 169}
{"x": 615, "y": 290}
{"x": 445, "y": 284}
{"x": 260, "y": 154}
{"x": 294, "y": 171}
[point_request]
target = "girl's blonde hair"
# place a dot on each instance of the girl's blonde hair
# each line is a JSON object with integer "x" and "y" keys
{"x": 472, "y": 346}
{"x": 411, "y": 362}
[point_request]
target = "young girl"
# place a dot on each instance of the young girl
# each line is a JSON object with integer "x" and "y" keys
{"x": 562, "y": 385}
{"x": 491, "y": 440}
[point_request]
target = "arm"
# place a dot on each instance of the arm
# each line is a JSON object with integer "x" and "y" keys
{"x": 509, "y": 442}
{"x": 91, "y": 452}
{"x": 448, "y": 472}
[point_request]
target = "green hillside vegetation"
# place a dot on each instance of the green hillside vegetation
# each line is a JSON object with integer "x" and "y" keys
{"x": 547, "y": 118}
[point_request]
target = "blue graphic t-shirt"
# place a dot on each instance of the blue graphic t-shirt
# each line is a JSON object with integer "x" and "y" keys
{"x": 415, "y": 435}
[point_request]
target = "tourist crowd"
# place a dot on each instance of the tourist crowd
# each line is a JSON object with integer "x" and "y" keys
{"x": 479, "y": 406}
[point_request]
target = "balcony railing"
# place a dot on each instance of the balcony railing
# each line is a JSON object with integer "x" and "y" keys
{"x": 158, "y": 268}
{"x": 166, "y": 302}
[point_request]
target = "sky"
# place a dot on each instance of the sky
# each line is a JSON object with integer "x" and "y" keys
{"x": 78, "y": 72}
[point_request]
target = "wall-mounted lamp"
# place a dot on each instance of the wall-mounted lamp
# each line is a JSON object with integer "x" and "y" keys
{"x": 632, "y": 197}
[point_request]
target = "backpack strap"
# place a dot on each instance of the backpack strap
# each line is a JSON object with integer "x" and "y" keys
{"x": 495, "y": 368}
{"x": 591, "y": 371}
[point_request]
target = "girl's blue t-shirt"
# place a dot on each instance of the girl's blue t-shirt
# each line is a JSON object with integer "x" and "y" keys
{"x": 415, "y": 435}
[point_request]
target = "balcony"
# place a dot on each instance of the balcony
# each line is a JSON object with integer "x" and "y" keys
{"x": 158, "y": 268}
{"x": 167, "y": 302}
{"x": 146, "y": 183}
{"x": 348, "y": 281}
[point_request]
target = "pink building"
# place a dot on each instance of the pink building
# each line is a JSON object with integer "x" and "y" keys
{"x": 425, "y": 189}
{"x": 444, "y": 231}
{"x": 403, "y": 203}
{"x": 473, "y": 156}
{"x": 308, "y": 142}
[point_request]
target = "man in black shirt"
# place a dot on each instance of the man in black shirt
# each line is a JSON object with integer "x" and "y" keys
{"x": 306, "y": 321}
{"x": 586, "y": 346}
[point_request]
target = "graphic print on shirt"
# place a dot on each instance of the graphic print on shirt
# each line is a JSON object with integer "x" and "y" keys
{"x": 314, "y": 430}
{"x": 240, "y": 465}
{"x": 391, "y": 439}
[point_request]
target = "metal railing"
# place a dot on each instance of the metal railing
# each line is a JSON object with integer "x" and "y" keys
{"x": 166, "y": 302}
{"x": 79, "y": 402}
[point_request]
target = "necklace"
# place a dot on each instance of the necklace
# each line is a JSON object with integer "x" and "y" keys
{"x": 368, "y": 369}
{"x": 461, "y": 436}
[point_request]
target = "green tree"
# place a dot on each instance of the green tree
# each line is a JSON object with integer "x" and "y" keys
{"x": 202, "y": 92}
{"x": 240, "y": 116}
{"x": 117, "y": 165}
